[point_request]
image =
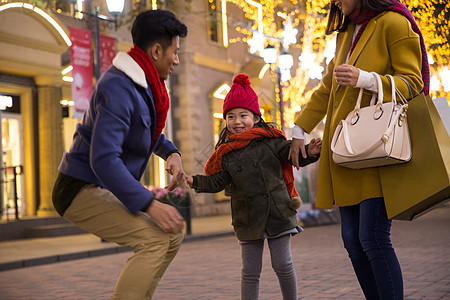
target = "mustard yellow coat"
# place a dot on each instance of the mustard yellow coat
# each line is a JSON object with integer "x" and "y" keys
{"x": 388, "y": 45}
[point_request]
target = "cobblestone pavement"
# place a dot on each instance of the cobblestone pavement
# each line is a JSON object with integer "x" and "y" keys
{"x": 209, "y": 269}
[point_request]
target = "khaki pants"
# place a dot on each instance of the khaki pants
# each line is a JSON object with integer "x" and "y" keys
{"x": 98, "y": 211}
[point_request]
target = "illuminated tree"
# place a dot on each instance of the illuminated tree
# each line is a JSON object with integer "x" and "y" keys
{"x": 433, "y": 18}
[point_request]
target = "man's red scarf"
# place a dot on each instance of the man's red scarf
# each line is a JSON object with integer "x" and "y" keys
{"x": 239, "y": 141}
{"x": 157, "y": 85}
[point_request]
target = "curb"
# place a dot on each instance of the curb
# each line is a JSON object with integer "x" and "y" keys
{"x": 309, "y": 219}
{"x": 93, "y": 253}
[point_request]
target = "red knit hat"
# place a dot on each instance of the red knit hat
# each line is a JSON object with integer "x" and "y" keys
{"x": 241, "y": 95}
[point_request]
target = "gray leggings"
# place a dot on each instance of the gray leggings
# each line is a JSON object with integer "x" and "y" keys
{"x": 282, "y": 264}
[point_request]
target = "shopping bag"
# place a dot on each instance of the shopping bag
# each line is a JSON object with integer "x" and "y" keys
{"x": 412, "y": 189}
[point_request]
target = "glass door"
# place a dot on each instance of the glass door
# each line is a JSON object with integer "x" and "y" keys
{"x": 12, "y": 191}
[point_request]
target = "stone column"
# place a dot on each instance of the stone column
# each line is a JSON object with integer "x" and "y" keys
{"x": 50, "y": 140}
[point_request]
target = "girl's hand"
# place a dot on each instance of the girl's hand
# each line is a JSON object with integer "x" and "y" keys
{"x": 314, "y": 147}
{"x": 174, "y": 167}
{"x": 189, "y": 179}
{"x": 346, "y": 75}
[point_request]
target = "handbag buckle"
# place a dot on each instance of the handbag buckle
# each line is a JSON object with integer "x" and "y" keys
{"x": 385, "y": 138}
{"x": 355, "y": 119}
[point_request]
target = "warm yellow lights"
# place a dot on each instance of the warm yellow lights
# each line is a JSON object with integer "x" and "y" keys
{"x": 259, "y": 7}
{"x": 67, "y": 78}
{"x": 162, "y": 173}
{"x": 5, "y": 101}
{"x": 65, "y": 102}
{"x": 42, "y": 14}
{"x": 79, "y": 14}
{"x": 67, "y": 70}
{"x": 263, "y": 71}
{"x": 296, "y": 108}
{"x": 154, "y": 4}
{"x": 222, "y": 91}
{"x": 224, "y": 23}
{"x": 218, "y": 115}
{"x": 282, "y": 15}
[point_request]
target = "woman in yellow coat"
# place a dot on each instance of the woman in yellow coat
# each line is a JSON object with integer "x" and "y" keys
{"x": 373, "y": 36}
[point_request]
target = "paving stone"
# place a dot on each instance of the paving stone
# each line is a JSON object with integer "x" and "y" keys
{"x": 210, "y": 268}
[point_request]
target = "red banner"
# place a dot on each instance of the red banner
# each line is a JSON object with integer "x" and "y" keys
{"x": 81, "y": 59}
{"x": 107, "y": 52}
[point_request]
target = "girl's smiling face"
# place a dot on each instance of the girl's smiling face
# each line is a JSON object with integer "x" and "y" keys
{"x": 240, "y": 120}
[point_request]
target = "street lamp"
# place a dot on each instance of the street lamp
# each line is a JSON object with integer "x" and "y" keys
{"x": 115, "y": 7}
{"x": 283, "y": 70}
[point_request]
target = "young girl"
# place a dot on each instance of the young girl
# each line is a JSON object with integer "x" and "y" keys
{"x": 252, "y": 157}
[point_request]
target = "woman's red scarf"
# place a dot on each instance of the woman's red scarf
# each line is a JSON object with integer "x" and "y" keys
{"x": 363, "y": 17}
{"x": 157, "y": 85}
{"x": 239, "y": 141}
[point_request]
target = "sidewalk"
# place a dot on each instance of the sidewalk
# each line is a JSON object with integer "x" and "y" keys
{"x": 38, "y": 251}
{"x": 32, "y": 252}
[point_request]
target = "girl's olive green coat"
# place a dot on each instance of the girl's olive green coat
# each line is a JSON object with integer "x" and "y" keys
{"x": 388, "y": 45}
{"x": 259, "y": 196}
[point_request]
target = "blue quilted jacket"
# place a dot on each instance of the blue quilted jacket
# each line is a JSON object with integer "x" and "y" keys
{"x": 112, "y": 145}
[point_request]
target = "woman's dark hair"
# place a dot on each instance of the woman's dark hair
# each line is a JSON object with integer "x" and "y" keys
{"x": 156, "y": 26}
{"x": 223, "y": 136}
{"x": 337, "y": 21}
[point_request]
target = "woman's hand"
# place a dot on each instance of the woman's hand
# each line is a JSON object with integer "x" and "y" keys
{"x": 297, "y": 146}
{"x": 346, "y": 75}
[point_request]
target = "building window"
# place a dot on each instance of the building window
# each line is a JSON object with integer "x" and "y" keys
{"x": 217, "y": 21}
{"x": 62, "y": 6}
{"x": 213, "y": 20}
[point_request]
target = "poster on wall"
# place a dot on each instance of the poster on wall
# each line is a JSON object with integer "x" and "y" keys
{"x": 81, "y": 60}
{"x": 107, "y": 52}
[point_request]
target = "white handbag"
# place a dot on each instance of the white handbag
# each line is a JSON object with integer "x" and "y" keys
{"x": 373, "y": 136}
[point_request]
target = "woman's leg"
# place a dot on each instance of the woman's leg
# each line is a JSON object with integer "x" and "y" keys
{"x": 282, "y": 264}
{"x": 350, "y": 220}
{"x": 375, "y": 239}
{"x": 251, "y": 253}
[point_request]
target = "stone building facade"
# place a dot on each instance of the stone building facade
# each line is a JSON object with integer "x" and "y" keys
{"x": 37, "y": 129}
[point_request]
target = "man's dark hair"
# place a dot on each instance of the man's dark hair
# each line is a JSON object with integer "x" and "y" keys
{"x": 337, "y": 21}
{"x": 156, "y": 26}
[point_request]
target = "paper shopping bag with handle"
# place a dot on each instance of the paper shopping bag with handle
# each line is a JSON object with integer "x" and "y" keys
{"x": 412, "y": 189}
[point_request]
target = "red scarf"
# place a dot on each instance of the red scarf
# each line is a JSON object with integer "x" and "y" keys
{"x": 364, "y": 16}
{"x": 239, "y": 141}
{"x": 157, "y": 86}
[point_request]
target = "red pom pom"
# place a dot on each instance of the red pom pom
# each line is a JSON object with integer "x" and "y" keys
{"x": 242, "y": 79}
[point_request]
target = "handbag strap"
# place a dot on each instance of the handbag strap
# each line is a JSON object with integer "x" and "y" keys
{"x": 410, "y": 87}
{"x": 374, "y": 95}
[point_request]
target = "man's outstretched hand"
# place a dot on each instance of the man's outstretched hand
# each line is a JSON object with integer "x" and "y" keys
{"x": 175, "y": 168}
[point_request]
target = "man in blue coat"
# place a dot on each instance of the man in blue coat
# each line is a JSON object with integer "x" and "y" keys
{"x": 98, "y": 186}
